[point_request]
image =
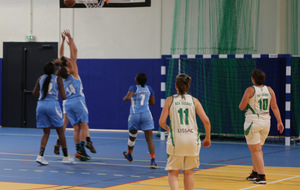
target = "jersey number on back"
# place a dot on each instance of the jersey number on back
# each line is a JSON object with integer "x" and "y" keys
{"x": 70, "y": 89}
{"x": 263, "y": 104}
{"x": 186, "y": 115}
{"x": 143, "y": 99}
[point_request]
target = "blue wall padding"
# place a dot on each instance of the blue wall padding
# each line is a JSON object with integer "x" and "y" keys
{"x": 106, "y": 82}
{"x": 277, "y": 83}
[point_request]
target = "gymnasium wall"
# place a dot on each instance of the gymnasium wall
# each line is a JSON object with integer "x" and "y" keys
{"x": 114, "y": 44}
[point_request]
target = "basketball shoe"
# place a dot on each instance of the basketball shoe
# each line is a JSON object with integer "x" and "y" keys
{"x": 68, "y": 160}
{"x": 261, "y": 179}
{"x": 41, "y": 160}
{"x": 89, "y": 145}
{"x": 56, "y": 149}
{"x": 153, "y": 165}
{"x": 128, "y": 156}
{"x": 252, "y": 176}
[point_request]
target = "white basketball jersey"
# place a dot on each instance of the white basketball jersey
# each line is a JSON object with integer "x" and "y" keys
{"x": 184, "y": 139}
{"x": 259, "y": 103}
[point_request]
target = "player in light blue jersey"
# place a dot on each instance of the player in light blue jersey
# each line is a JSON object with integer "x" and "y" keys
{"x": 75, "y": 105}
{"x": 140, "y": 117}
{"x": 48, "y": 111}
{"x": 64, "y": 73}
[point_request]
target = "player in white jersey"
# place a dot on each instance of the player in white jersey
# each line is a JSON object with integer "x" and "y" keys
{"x": 257, "y": 101}
{"x": 183, "y": 144}
{"x": 48, "y": 111}
{"x": 141, "y": 96}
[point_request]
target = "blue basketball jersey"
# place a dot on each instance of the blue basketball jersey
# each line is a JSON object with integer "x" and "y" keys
{"x": 52, "y": 88}
{"x": 73, "y": 87}
{"x": 140, "y": 98}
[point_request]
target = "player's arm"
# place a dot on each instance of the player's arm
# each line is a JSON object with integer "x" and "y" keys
{"x": 151, "y": 100}
{"x": 62, "y": 46}
{"x": 164, "y": 114}
{"x": 36, "y": 90}
{"x": 244, "y": 102}
{"x": 73, "y": 53}
{"x": 128, "y": 96}
{"x": 61, "y": 88}
{"x": 275, "y": 110}
{"x": 205, "y": 120}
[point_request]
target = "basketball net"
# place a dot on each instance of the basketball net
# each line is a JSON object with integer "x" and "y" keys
{"x": 90, "y": 4}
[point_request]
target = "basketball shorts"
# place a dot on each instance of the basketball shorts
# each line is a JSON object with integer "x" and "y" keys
{"x": 182, "y": 162}
{"x": 48, "y": 113}
{"x": 143, "y": 121}
{"x": 76, "y": 111}
{"x": 63, "y": 106}
{"x": 256, "y": 129}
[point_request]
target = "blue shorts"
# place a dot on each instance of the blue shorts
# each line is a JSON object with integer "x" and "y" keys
{"x": 48, "y": 113}
{"x": 76, "y": 110}
{"x": 144, "y": 121}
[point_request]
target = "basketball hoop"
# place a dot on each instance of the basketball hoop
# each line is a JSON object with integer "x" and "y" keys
{"x": 94, "y": 3}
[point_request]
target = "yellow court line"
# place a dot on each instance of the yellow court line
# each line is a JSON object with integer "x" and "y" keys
{"x": 231, "y": 177}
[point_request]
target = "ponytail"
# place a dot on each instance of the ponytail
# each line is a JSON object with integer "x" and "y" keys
{"x": 49, "y": 69}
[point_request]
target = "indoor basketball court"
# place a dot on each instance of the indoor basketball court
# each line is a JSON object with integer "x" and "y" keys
{"x": 217, "y": 43}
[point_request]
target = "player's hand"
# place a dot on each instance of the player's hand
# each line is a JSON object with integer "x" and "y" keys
{"x": 63, "y": 36}
{"x": 280, "y": 127}
{"x": 206, "y": 142}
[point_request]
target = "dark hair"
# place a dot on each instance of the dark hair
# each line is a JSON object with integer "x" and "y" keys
{"x": 62, "y": 72}
{"x": 183, "y": 82}
{"x": 49, "y": 69}
{"x": 141, "y": 79}
{"x": 64, "y": 61}
{"x": 61, "y": 65}
{"x": 258, "y": 76}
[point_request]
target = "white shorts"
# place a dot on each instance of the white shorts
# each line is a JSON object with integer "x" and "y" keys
{"x": 256, "y": 129}
{"x": 182, "y": 162}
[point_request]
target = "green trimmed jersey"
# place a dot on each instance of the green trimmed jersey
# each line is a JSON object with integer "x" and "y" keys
{"x": 184, "y": 139}
{"x": 259, "y": 103}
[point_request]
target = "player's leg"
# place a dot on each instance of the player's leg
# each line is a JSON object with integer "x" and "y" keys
{"x": 151, "y": 148}
{"x": 188, "y": 179}
{"x": 131, "y": 143}
{"x": 147, "y": 125}
{"x": 40, "y": 159}
{"x": 82, "y": 136}
{"x": 173, "y": 179}
{"x": 63, "y": 142}
{"x": 89, "y": 143}
{"x": 133, "y": 126}
{"x": 258, "y": 161}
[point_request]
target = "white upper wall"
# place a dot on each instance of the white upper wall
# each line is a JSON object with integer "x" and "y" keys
{"x": 144, "y": 32}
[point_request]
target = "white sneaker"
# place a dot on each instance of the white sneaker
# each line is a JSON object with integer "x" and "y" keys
{"x": 41, "y": 160}
{"x": 68, "y": 160}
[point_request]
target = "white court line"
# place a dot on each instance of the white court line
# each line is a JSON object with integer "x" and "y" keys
{"x": 270, "y": 182}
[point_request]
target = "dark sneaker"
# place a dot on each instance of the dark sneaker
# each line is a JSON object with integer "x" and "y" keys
{"x": 261, "y": 179}
{"x": 56, "y": 149}
{"x": 153, "y": 165}
{"x": 89, "y": 145}
{"x": 252, "y": 176}
{"x": 128, "y": 157}
{"x": 82, "y": 156}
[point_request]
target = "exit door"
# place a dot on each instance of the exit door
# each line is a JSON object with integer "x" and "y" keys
{"x": 23, "y": 63}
